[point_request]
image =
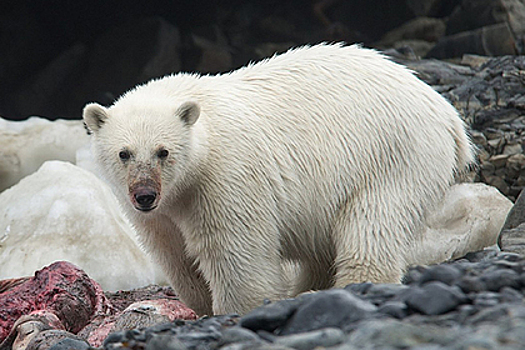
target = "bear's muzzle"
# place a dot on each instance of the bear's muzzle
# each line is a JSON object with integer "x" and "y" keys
{"x": 144, "y": 196}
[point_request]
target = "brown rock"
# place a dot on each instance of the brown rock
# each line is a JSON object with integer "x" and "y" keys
{"x": 512, "y": 149}
{"x": 515, "y": 11}
{"x": 46, "y": 339}
{"x": 495, "y": 143}
{"x": 487, "y": 168}
{"x": 474, "y": 61}
{"x": 214, "y": 56}
{"x": 513, "y": 240}
{"x": 474, "y": 14}
{"x": 422, "y": 28}
{"x": 478, "y": 138}
{"x": 493, "y": 40}
{"x": 423, "y": 7}
{"x": 499, "y": 160}
{"x": 499, "y": 183}
{"x": 516, "y": 161}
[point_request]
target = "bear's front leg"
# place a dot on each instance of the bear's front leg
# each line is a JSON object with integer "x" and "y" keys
{"x": 165, "y": 241}
{"x": 242, "y": 271}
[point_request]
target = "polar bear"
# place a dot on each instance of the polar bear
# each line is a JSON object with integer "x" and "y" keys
{"x": 329, "y": 156}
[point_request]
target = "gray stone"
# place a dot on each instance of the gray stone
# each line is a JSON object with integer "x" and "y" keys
{"x": 393, "y": 334}
{"x": 378, "y": 293}
{"x": 70, "y": 344}
{"x": 477, "y": 341}
{"x": 469, "y": 284}
{"x": 494, "y": 40}
{"x": 513, "y": 240}
{"x": 434, "y": 298}
{"x": 473, "y": 14}
{"x": 495, "y": 280}
{"x": 165, "y": 342}
{"x": 53, "y": 338}
{"x": 486, "y": 299}
{"x": 516, "y": 215}
{"x": 474, "y": 61}
{"x": 515, "y": 10}
{"x": 438, "y": 73}
{"x": 423, "y": 7}
{"x": 255, "y": 345}
{"x": 442, "y": 273}
{"x": 236, "y": 335}
{"x": 513, "y": 149}
{"x": 498, "y": 182}
{"x": 422, "y": 28}
{"x": 510, "y": 295}
{"x": 325, "y": 337}
{"x": 499, "y": 160}
{"x": 331, "y": 308}
{"x": 270, "y": 317}
{"x": 396, "y": 309}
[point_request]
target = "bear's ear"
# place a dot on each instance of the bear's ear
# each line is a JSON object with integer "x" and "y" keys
{"x": 189, "y": 112}
{"x": 94, "y": 116}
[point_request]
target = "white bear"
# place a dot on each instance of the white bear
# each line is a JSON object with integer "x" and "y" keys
{"x": 329, "y": 156}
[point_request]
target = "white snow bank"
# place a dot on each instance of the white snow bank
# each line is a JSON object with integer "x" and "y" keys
{"x": 63, "y": 212}
{"x": 26, "y": 145}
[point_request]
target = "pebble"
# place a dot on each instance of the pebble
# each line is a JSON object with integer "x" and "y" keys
{"x": 270, "y": 317}
{"x": 435, "y": 298}
{"x": 166, "y": 342}
{"x": 329, "y": 308}
{"x": 237, "y": 335}
{"x": 70, "y": 344}
{"x": 309, "y": 340}
{"x": 442, "y": 273}
{"x": 495, "y": 280}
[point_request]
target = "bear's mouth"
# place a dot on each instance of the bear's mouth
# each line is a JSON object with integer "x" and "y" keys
{"x": 145, "y": 209}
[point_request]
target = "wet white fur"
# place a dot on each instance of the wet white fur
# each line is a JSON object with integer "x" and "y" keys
{"x": 328, "y": 156}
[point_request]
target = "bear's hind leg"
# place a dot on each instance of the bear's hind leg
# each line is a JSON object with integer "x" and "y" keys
{"x": 314, "y": 274}
{"x": 367, "y": 250}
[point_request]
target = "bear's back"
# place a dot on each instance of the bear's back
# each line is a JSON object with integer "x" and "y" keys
{"x": 333, "y": 119}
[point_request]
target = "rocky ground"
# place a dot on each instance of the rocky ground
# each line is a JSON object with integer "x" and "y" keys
{"x": 472, "y": 303}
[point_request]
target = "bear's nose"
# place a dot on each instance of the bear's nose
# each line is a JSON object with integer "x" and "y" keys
{"x": 145, "y": 199}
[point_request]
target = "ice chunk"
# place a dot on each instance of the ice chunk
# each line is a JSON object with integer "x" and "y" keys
{"x": 25, "y": 145}
{"x": 63, "y": 212}
{"x": 468, "y": 219}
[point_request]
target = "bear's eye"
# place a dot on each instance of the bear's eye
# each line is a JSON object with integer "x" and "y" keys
{"x": 163, "y": 154}
{"x": 124, "y": 155}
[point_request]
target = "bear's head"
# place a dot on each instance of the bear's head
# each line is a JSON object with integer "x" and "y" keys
{"x": 144, "y": 152}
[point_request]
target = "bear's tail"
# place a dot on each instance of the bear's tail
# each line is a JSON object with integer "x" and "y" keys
{"x": 465, "y": 152}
